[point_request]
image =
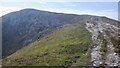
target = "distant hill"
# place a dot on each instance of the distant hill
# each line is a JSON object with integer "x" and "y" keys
{"x": 25, "y": 26}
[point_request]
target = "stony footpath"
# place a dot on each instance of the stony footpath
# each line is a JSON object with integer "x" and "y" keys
{"x": 97, "y": 28}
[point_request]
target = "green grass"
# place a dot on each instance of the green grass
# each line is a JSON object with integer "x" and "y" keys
{"x": 63, "y": 47}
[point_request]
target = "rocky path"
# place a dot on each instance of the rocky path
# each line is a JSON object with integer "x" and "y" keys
{"x": 111, "y": 58}
{"x": 95, "y": 51}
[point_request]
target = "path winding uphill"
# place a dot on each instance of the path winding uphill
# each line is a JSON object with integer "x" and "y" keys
{"x": 112, "y": 58}
{"x": 97, "y": 28}
{"x": 95, "y": 51}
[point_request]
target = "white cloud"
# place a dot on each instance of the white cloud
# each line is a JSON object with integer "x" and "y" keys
{"x": 108, "y": 13}
{"x": 5, "y": 10}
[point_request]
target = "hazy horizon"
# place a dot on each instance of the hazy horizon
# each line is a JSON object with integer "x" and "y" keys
{"x": 107, "y": 9}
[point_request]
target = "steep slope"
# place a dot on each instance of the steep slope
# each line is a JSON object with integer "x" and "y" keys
{"x": 25, "y": 26}
{"x": 56, "y": 39}
{"x": 65, "y": 46}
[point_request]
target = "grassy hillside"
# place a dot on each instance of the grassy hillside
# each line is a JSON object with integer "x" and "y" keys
{"x": 23, "y": 27}
{"x": 65, "y": 46}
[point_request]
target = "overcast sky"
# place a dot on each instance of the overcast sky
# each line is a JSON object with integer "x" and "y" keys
{"x": 108, "y": 8}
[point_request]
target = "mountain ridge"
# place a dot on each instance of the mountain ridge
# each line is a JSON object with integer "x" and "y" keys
{"x": 71, "y": 34}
